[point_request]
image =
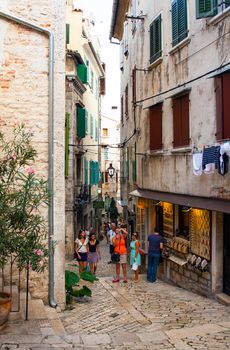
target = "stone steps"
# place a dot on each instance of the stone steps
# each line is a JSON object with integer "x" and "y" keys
{"x": 37, "y": 311}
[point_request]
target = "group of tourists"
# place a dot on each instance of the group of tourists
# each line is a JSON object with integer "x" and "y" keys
{"x": 87, "y": 251}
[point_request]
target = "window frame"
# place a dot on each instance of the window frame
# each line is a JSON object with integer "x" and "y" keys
{"x": 158, "y": 133}
{"x": 154, "y": 55}
{"x": 176, "y": 11}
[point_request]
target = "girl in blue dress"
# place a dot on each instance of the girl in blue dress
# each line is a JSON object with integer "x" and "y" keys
{"x": 135, "y": 257}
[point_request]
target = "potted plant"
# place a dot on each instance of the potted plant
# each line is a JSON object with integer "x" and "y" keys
{"x": 23, "y": 195}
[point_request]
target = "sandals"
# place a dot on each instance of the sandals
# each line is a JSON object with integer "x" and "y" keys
{"x": 116, "y": 280}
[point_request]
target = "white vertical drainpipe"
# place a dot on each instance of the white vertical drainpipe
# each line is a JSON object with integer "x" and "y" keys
{"x": 37, "y": 28}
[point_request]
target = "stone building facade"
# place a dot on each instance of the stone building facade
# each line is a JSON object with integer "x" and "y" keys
{"x": 175, "y": 110}
{"x": 84, "y": 88}
{"x": 32, "y": 92}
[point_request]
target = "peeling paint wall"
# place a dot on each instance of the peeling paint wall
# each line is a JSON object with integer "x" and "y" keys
{"x": 206, "y": 50}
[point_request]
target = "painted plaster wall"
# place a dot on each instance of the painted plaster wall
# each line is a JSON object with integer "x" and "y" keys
{"x": 173, "y": 171}
{"x": 24, "y": 99}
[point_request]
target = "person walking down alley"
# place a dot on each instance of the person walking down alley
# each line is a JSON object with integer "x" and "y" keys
{"x": 155, "y": 245}
{"x": 81, "y": 250}
{"x": 111, "y": 234}
{"x": 94, "y": 254}
{"x": 120, "y": 247}
{"x": 135, "y": 257}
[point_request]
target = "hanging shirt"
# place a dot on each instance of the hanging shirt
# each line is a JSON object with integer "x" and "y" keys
{"x": 197, "y": 163}
{"x": 208, "y": 161}
{"x": 223, "y": 165}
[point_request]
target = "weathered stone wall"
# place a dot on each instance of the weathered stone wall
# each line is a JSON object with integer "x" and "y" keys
{"x": 24, "y": 62}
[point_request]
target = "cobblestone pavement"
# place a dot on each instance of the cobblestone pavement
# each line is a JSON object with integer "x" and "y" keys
{"x": 137, "y": 316}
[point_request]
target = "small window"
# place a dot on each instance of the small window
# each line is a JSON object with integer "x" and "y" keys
{"x": 80, "y": 116}
{"x": 114, "y": 107}
{"x": 106, "y": 153}
{"x": 86, "y": 122}
{"x": 67, "y": 33}
{"x": 179, "y": 21}
{"x": 122, "y": 110}
{"x": 181, "y": 121}
{"x": 206, "y": 8}
{"x": 134, "y": 87}
{"x": 105, "y": 132}
{"x": 155, "y": 39}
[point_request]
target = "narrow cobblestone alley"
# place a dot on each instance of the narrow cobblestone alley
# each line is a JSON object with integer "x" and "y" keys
{"x": 137, "y": 316}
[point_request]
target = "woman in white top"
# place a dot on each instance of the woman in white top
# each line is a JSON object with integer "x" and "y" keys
{"x": 81, "y": 250}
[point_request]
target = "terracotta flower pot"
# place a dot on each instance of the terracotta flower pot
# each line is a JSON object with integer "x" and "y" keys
{"x": 5, "y": 306}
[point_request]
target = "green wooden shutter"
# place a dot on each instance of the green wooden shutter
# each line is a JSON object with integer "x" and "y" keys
{"x": 174, "y": 23}
{"x": 67, "y": 33}
{"x": 80, "y": 122}
{"x": 90, "y": 173}
{"x": 135, "y": 162}
{"x": 86, "y": 122}
{"x": 182, "y": 20}
{"x": 91, "y": 126}
{"x": 155, "y": 39}
{"x": 66, "y": 144}
{"x": 206, "y": 8}
{"x": 86, "y": 170}
{"x": 82, "y": 73}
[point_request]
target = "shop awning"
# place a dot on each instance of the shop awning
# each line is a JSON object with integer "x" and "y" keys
{"x": 210, "y": 203}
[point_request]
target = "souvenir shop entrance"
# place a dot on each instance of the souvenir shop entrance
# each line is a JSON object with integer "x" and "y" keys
{"x": 226, "y": 277}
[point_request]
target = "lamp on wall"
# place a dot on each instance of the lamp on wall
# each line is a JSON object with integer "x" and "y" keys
{"x": 111, "y": 170}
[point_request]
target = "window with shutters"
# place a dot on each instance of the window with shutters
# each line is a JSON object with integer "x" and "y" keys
{"x": 155, "y": 39}
{"x": 92, "y": 79}
{"x": 82, "y": 73}
{"x": 67, "y": 33}
{"x": 91, "y": 126}
{"x": 81, "y": 124}
{"x": 134, "y": 162}
{"x": 127, "y": 101}
{"x": 209, "y": 8}
{"x": 179, "y": 21}
{"x": 155, "y": 122}
{"x": 86, "y": 122}
{"x": 222, "y": 90}
{"x": 181, "y": 121}
{"x": 106, "y": 153}
{"x": 96, "y": 130}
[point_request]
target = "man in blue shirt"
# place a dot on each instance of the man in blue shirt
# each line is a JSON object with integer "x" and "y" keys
{"x": 155, "y": 245}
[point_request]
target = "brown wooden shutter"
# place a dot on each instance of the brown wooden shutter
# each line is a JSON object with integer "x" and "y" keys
{"x": 155, "y": 116}
{"x": 185, "y": 120}
{"x": 181, "y": 121}
{"x": 226, "y": 105}
{"x": 219, "y": 109}
{"x": 176, "y": 123}
{"x": 102, "y": 86}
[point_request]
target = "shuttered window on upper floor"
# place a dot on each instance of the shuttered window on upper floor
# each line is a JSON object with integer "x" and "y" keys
{"x": 82, "y": 73}
{"x": 206, "y": 8}
{"x": 179, "y": 21}
{"x": 67, "y": 26}
{"x": 86, "y": 122}
{"x": 86, "y": 171}
{"x": 222, "y": 90}
{"x": 122, "y": 109}
{"x": 155, "y": 39}
{"x": 181, "y": 121}
{"x": 81, "y": 124}
{"x": 127, "y": 101}
{"x": 155, "y": 122}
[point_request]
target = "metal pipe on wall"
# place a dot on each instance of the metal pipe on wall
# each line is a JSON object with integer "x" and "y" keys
{"x": 37, "y": 28}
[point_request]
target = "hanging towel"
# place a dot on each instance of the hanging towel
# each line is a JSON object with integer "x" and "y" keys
{"x": 226, "y": 147}
{"x": 208, "y": 162}
{"x": 197, "y": 163}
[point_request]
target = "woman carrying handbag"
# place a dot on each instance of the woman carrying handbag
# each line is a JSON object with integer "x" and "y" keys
{"x": 135, "y": 257}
